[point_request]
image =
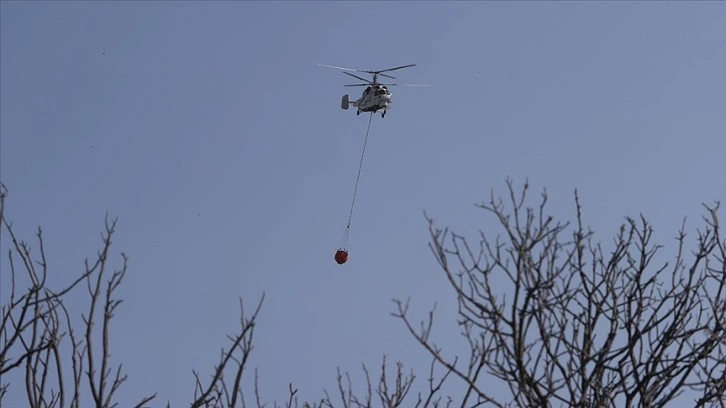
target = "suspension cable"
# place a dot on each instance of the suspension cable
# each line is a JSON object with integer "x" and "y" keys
{"x": 360, "y": 166}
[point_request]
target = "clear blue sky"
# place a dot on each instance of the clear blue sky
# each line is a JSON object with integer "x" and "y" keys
{"x": 211, "y": 133}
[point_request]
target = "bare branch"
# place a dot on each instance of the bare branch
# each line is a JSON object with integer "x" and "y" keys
{"x": 242, "y": 344}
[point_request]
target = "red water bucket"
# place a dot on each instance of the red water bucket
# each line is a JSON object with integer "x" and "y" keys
{"x": 341, "y": 256}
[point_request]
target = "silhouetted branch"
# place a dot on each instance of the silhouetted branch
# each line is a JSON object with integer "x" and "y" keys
{"x": 238, "y": 352}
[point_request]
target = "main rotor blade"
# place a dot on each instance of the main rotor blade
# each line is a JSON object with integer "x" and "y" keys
{"x": 344, "y": 69}
{"x": 387, "y": 76}
{"x": 405, "y": 85}
{"x": 356, "y": 76}
{"x": 393, "y": 69}
{"x": 367, "y": 71}
{"x": 357, "y": 85}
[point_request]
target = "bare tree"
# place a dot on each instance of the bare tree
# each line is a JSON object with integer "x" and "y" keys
{"x": 560, "y": 320}
{"x": 35, "y": 323}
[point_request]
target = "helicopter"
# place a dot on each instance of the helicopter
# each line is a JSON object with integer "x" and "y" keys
{"x": 376, "y": 97}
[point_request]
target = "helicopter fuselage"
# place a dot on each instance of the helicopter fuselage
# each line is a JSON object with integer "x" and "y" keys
{"x": 374, "y": 98}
